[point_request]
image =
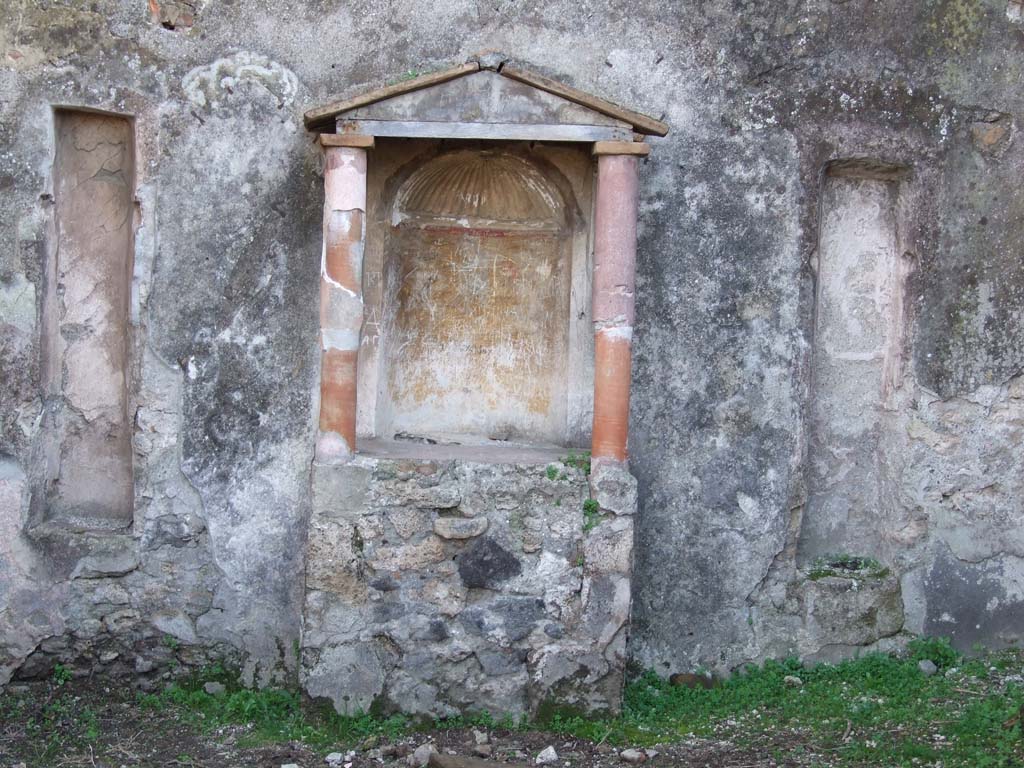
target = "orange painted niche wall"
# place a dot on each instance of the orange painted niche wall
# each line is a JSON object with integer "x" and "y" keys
{"x": 477, "y": 294}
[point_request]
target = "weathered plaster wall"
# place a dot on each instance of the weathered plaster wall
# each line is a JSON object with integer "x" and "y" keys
{"x": 760, "y": 98}
{"x": 901, "y": 84}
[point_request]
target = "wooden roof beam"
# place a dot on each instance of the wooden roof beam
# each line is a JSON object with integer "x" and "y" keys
{"x": 641, "y": 122}
{"x": 327, "y": 112}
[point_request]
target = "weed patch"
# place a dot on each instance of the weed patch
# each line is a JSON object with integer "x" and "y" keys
{"x": 847, "y": 567}
{"x": 591, "y": 515}
{"x": 580, "y": 461}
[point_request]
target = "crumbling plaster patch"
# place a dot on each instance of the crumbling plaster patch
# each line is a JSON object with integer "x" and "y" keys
{"x": 205, "y": 86}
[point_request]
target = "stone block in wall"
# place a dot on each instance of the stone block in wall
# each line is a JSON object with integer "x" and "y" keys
{"x": 613, "y": 487}
{"x": 609, "y": 547}
{"x": 349, "y": 674}
{"x": 460, "y": 527}
{"x": 105, "y": 562}
{"x": 853, "y": 612}
{"x": 340, "y": 491}
{"x": 464, "y": 586}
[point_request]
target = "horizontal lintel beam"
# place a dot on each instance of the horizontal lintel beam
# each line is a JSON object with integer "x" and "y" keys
{"x": 506, "y": 131}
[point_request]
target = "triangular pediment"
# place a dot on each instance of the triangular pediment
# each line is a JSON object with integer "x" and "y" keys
{"x": 489, "y": 100}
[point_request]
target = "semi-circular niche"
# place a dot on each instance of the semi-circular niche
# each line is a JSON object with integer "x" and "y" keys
{"x": 479, "y": 264}
{"x": 481, "y": 189}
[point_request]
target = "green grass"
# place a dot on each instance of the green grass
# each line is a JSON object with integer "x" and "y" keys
{"x": 60, "y": 722}
{"x": 273, "y": 714}
{"x": 877, "y": 710}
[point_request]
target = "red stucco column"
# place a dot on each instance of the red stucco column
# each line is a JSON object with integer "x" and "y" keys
{"x": 341, "y": 292}
{"x": 613, "y": 294}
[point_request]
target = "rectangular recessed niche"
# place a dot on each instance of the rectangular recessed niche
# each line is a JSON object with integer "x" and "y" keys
{"x": 856, "y": 354}
{"x": 477, "y": 291}
{"x": 86, "y": 306}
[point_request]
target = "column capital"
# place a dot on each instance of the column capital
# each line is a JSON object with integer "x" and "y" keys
{"x": 637, "y": 148}
{"x": 355, "y": 140}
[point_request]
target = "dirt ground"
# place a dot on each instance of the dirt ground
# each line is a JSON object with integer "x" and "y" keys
{"x": 78, "y": 724}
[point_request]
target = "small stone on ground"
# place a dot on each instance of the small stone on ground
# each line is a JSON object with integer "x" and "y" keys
{"x": 421, "y": 756}
{"x": 547, "y": 755}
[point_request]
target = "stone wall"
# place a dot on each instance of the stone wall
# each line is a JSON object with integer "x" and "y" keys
{"x": 761, "y": 98}
{"x": 436, "y": 587}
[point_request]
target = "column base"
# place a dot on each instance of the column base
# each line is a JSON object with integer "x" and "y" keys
{"x": 332, "y": 448}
